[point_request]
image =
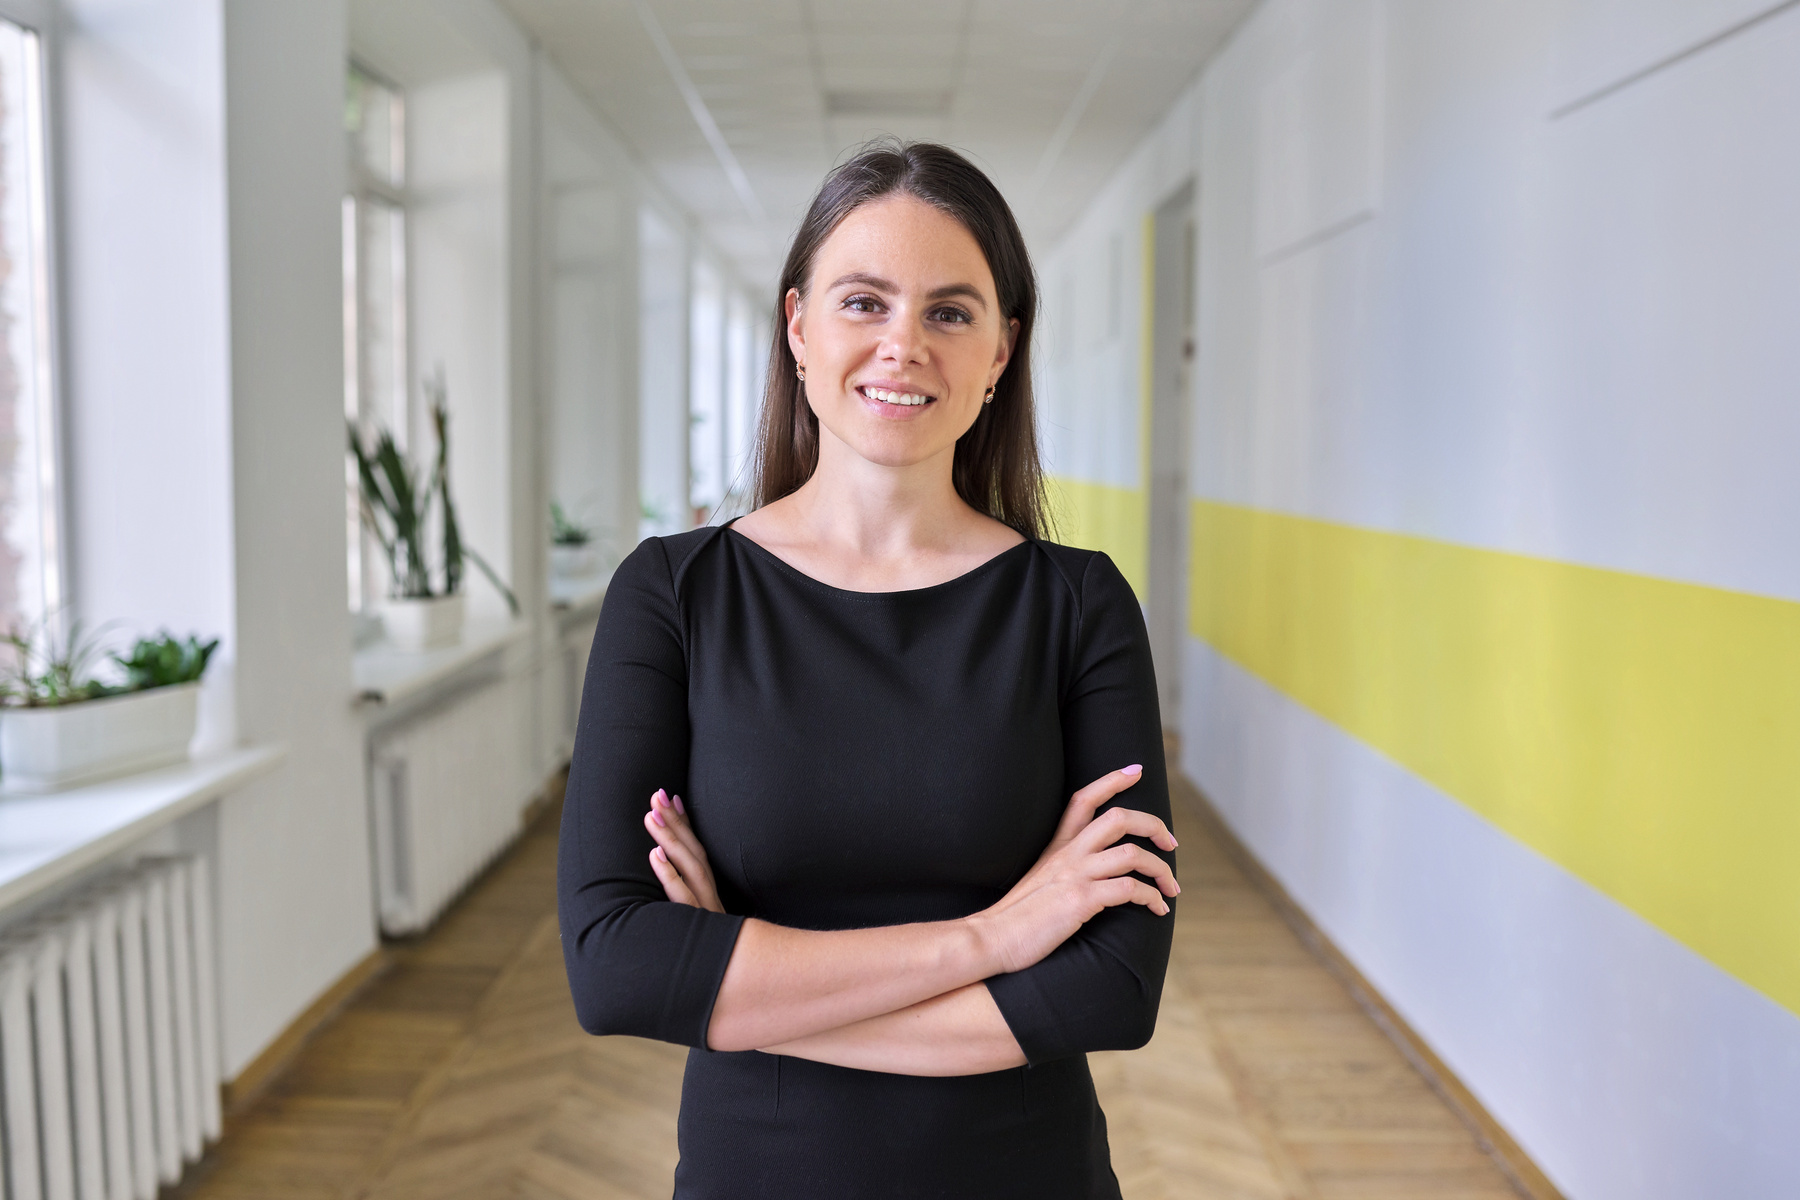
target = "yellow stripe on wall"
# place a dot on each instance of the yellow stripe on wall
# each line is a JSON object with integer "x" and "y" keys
{"x": 1644, "y": 734}
{"x": 1099, "y": 516}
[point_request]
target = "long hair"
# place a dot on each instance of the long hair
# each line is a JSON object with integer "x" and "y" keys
{"x": 996, "y": 469}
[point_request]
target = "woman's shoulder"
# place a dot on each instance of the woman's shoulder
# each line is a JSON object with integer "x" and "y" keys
{"x": 680, "y": 549}
{"x": 661, "y": 561}
{"x": 1086, "y": 573}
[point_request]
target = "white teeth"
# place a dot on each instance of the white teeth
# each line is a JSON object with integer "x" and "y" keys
{"x": 909, "y": 399}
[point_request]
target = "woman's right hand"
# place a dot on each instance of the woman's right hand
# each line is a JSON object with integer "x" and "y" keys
{"x": 1085, "y": 869}
{"x": 679, "y": 860}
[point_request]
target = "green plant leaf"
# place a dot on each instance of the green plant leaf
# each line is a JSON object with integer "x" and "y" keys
{"x": 408, "y": 509}
{"x": 395, "y": 500}
{"x": 369, "y": 495}
{"x": 164, "y": 660}
{"x": 453, "y": 546}
{"x": 47, "y": 671}
{"x": 564, "y": 532}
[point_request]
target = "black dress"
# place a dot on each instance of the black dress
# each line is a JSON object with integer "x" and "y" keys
{"x": 855, "y": 759}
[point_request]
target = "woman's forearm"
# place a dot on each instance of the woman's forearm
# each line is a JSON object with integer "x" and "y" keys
{"x": 959, "y": 1033}
{"x": 785, "y": 984}
{"x": 782, "y": 984}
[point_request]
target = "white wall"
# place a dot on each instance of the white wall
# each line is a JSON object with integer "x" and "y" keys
{"x": 1519, "y": 277}
{"x": 295, "y": 907}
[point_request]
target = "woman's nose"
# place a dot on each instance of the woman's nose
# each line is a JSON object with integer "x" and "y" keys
{"x": 903, "y": 341}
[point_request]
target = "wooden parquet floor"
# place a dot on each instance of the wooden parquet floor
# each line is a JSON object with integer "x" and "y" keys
{"x": 460, "y": 1074}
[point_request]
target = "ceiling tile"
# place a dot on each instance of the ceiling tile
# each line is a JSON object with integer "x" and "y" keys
{"x": 1004, "y": 71}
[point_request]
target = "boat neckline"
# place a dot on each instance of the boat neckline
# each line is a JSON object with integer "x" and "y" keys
{"x": 784, "y": 564}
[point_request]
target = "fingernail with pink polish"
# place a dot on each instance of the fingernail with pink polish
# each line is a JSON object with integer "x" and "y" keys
{"x": 678, "y": 807}
{"x": 659, "y": 797}
{"x": 1133, "y": 769}
{"x": 661, "y": 856}
{"x": 658, "y": 818}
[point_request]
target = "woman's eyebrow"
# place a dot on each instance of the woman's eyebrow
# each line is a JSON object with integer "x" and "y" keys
{"x": 864, "y": 279}
{"x": 966, "y": 290}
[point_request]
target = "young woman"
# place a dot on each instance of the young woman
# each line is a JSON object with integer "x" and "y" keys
{"x": 879, "y": 918}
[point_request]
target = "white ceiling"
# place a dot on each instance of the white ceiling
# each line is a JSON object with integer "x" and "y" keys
{"x": 1049, "y": 96}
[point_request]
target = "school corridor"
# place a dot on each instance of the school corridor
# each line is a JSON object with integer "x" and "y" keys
{"x": 1427, "y": 368}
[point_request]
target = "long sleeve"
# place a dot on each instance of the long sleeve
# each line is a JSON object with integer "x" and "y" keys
{"x": 1100, "y": 989}
{"x": 638, "y": 964}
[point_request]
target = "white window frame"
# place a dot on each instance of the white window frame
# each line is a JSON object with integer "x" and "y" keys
{"x": 40, "y": 18}
{"x": 362, "y": 187}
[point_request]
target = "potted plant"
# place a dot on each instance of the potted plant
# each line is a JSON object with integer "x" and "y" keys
{"x": 574, "y": 554}
{"x": 424, "y": 609}
{"x": 60, "y": 726}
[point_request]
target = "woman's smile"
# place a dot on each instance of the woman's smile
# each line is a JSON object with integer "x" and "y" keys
{"x": 887, "y": 395}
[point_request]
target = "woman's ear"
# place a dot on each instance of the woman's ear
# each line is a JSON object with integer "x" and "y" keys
{"x": 1003, "y": 354}
{"x": 796, "y": 336}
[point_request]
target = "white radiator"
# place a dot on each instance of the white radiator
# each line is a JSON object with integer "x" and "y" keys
{"x": 445, "y": 798}
{"x": 109, "y": 1037}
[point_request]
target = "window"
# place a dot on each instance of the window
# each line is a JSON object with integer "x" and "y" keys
{"x": 706, "y": 393}
{"x": 742, "y": 397}
{"x": 724, "y": 393}
{"x": 31, "y": 577}
{"x": 376, "y": 368}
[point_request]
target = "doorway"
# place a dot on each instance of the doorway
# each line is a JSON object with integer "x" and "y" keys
{"x": 1174, "y": 259}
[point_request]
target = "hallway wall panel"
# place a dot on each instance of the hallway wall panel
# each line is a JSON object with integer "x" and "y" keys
{"x": 293, "y": 861}
{"x": 1492, "y": 574}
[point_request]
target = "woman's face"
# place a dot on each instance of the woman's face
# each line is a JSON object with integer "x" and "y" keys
{"x": 900, "y": 333}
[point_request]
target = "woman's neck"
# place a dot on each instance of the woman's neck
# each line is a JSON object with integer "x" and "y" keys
{"x": 880, "y": 511}
{"x": 867, "y": 526}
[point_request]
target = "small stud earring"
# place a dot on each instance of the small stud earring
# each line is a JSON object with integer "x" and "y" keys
{"x": 989, "y": 397}
{"x": 800, "y": 371}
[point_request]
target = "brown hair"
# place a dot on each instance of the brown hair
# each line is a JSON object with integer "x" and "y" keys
{"x": 996, "y": 467}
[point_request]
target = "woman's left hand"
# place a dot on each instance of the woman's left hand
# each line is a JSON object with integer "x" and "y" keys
{"x": 679, "y": 859}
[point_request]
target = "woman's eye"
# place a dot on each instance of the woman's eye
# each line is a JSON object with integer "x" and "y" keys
{"x": 955, "y": 316}
{"x": 863, "y": 304}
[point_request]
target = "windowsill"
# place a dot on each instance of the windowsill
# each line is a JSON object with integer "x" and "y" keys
{"x": 571, "y": 597}
{"x": 386, "y": 674}
{"x": 47, "y": 837}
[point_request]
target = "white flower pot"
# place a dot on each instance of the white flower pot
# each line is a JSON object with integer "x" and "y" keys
{"x": 46, "y": 748}
{"x": 424, "y": 624}
{"x": 575, "y": 562}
